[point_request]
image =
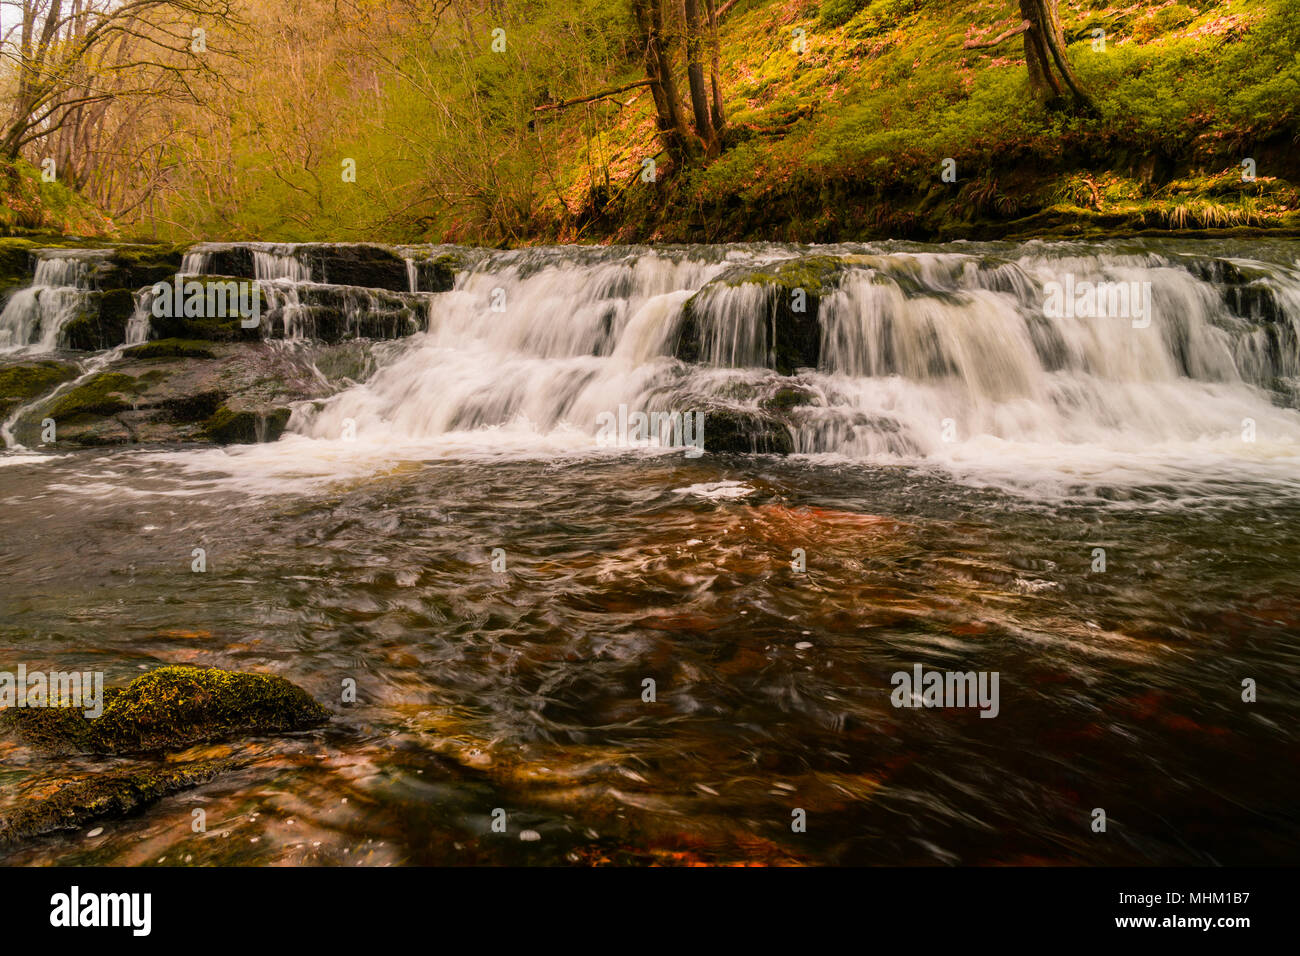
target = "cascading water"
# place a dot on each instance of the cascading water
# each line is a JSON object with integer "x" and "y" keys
{"x": 60, "y": 291}
{"x": 945, "y": 355}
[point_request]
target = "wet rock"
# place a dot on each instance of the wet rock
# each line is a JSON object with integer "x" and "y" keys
{"x": 171, "y": 708}
{"x": 437, "y": 272}
{"x": 102, "y": 394}
{"x": 191, "y": 390}
{"x": 788, "y": 312}
{"x": 224, "y": 324}
{"x": 373, "y": 267}
{"x": 171, "y": 348}
{"x": 15, "y": 264}
{"x": 102, "y": 324}
{"x": 746, "y": 431}
{"x": 132, "y": 267}
{"x": 230, "y": 426}
{"x": 333, "y": 314}
{"x": 20, "y": 384}
{"x": 105, "y": 795}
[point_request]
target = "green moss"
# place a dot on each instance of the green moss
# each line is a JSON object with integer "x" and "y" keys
{"x": 171, "y": 348}
{"x": 171, "y": 708}
{"x": 15, "y": 263}
{"x": 244, "y": 427}
{"x": 104, "y": 394}
{"x": 137, "y": 266}
{"x": 104, "y": 795}
{"x": 20, "y": 384}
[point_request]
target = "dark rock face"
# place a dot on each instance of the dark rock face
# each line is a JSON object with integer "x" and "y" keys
{"x": 746, "y": 431}
{"x": 103, "y": 325}
{"x": 335, "y": 314}
{"x": 228, "y": 426}
{"x": 372, "y": 267}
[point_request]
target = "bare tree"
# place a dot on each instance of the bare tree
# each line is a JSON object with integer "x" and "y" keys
{"x": 71, "y": 56}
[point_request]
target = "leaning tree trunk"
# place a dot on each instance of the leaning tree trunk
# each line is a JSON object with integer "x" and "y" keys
{"x": 1045, "y": 48}
{"x": 659, "y": 70}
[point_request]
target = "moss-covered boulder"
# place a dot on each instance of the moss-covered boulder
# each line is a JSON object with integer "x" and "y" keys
{"x": 234, "y": 426}
{"x": 103, "y": 322}
{"x": 107, "y": 795}
{"x": 135, "y": 266}
{"x": 171, "y": 708}
{"x": 20, "y": 384}
{"x": 223, "y": 324}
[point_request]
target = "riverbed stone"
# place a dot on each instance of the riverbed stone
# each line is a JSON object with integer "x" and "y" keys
{"x": 171, "y": 708}
{"x": 105, "y": 795}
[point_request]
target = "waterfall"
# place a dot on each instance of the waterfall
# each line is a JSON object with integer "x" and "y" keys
{"x": 60, "y": 291}
{"x": 930, "y": 354}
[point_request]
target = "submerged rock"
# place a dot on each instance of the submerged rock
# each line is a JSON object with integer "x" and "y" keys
{"x": 104, "y": 795}
{"x": 168, "y": 709}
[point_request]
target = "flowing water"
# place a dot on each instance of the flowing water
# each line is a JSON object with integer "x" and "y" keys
{"x": 1102, "y": 510}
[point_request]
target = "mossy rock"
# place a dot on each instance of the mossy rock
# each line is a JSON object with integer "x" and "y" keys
{"x": 15, "y": 263}
{"x": 103, "y": 324}
{"x": 171, "y": 708}
{"x": 135, "y": 266}
{"x": 229, "y": 426}
{"x": 20, "y": 384}
{"x": 111, "y": 794}
{"x": 170, "y": 348}
{"x": 104, "y": 394}
{"x": 787, "y": 398}
{"x": 746, "y": 432}
{"x": 227, "y": 327}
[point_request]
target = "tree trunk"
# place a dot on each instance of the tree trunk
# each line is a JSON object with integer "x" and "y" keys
{"x": 1045, "y": 48}
{"x": 715, "y": 66}
{"x": 659, "y": 70}
{"x": 695, "y": 76}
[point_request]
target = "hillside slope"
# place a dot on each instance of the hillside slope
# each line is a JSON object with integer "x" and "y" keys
{"x": 847, "y": 139}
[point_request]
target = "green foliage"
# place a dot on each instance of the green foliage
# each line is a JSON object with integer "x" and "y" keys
{"x": 835, "y": 13}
